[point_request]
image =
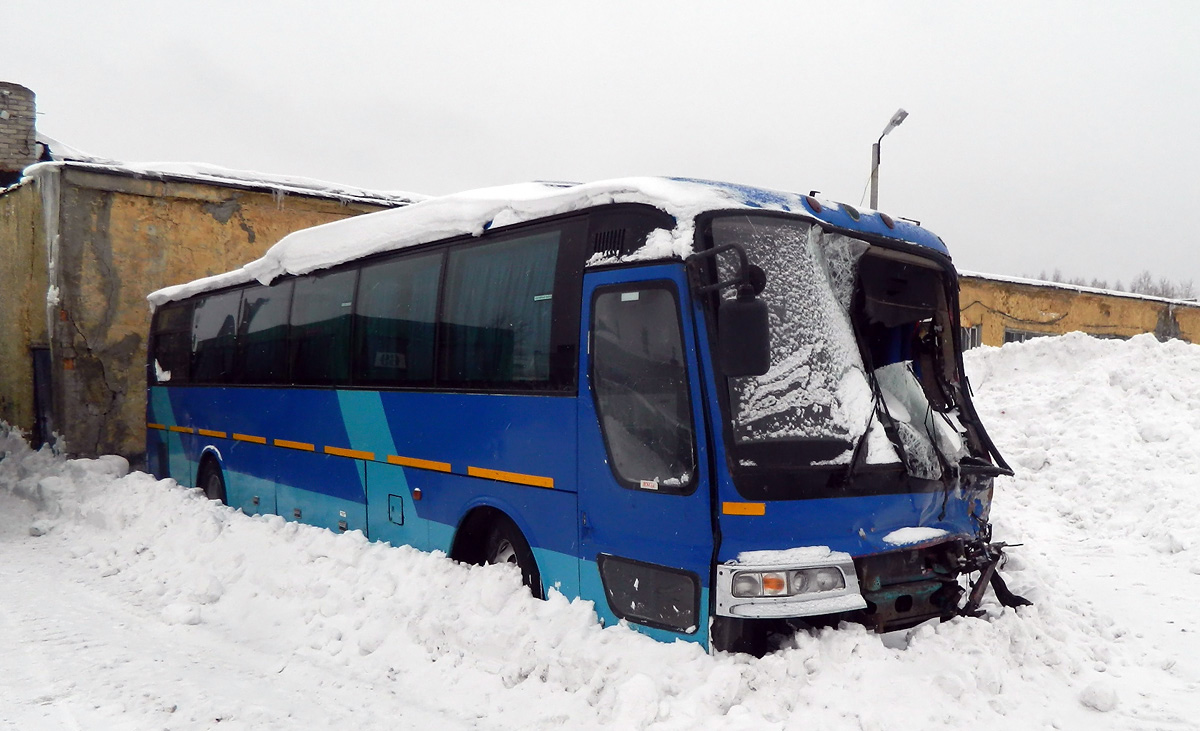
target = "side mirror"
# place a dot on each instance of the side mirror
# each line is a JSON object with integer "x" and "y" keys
{"x": 743, "y": 331}
{"x": 743, "y": 337}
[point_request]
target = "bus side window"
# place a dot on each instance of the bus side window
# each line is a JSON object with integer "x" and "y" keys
{"x": 214, "y": 337}
{"x": 172, "y": 344}
{"x": 496, "y": 318}
{"x": 396, "y": 314}
{"x": 262, "y": 338}
{"x": 639, "y": 378}
{"x": 322, "y": 306}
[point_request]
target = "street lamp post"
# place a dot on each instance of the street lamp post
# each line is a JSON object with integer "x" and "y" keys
{"x": 895, "y": 121}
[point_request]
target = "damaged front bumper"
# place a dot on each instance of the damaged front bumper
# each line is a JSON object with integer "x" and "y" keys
{"x": 887, "y": 591}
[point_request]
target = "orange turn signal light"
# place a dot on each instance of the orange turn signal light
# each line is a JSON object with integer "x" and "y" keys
{"x": 773, "y": 584}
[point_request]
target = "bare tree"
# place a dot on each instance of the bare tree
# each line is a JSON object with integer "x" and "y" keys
{"x": 1143, "y": 283}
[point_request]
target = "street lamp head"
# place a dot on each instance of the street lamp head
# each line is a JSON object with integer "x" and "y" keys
{"x": 895, "y": 121}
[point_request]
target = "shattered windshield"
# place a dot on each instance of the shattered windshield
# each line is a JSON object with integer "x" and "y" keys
{"x": 815, "y": 397}
{"x": 855, "y": 333}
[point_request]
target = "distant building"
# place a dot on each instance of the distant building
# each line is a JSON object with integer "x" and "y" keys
{"x": 83, "y": 241}
{"x": 998, "y": 310}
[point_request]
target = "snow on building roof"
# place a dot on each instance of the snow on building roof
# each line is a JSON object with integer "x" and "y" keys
{"x": 1075, "y": 288}
{"x": 472, "y": 213}
{"x": 62, "y": 155}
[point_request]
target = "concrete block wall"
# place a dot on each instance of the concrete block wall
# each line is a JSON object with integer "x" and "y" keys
{"x": 18, "y": 146}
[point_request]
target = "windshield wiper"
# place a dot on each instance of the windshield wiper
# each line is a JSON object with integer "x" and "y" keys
{"x": 975, "y": 466}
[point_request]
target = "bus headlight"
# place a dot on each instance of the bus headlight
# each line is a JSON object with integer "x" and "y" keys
{"x": 748, "y": 584}
{"x": 826, "y": 579}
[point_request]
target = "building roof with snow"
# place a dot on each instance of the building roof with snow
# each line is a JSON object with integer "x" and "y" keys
{"x": 1078, "y": 288}
{"x": 58, "y": 154}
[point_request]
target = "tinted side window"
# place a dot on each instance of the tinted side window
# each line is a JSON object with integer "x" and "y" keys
{"x": 396, "y": 314}
{"x": 214, "y": 337}
{"x": 498, "y": 309}
{"x": 262, "y": 340}
{"x": 639, "y": 378}
{"x": 320, "y": 328}
{"x": 172, "y": 344}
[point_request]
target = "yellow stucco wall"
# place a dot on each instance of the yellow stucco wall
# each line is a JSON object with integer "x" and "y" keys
{"x": 120, "y": 238}
{"x": 998, "y": 305}
{"x": 22, "y": 301}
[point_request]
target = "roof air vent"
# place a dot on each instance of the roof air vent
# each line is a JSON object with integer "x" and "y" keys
{"x": 609, "y": 243}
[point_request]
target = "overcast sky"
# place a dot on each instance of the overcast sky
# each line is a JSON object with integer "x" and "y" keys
{"x": 1041, "y": 135}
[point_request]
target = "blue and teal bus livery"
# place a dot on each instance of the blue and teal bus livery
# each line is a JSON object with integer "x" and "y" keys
{"x": 716, "y": 411}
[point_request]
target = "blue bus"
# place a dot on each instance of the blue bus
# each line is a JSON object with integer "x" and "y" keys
{"x": 718, "y": 412}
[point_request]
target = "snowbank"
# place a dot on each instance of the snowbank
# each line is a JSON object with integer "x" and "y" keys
{"x": 1105, "y": 436}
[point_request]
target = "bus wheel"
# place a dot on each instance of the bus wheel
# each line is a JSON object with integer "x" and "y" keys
{"x": 212, "y": 481}
{"x": 506, "y": 545}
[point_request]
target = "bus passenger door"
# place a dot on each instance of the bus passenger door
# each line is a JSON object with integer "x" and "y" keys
{"x": 646, "y": 535}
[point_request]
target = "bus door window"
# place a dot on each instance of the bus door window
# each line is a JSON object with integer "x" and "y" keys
{"x": 640, "y": 383}
{"x": 320, "y": 333}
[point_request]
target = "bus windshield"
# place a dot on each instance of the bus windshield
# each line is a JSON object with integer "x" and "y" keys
{"x": 849, "y": 326}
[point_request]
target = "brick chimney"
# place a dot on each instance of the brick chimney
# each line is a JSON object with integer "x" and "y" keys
{"x": 18, "y": 147}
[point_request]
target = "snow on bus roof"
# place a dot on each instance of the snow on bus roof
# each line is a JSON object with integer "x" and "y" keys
{"x": 471, "y": 213}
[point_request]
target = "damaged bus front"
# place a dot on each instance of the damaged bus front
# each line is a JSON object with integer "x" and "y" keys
{"x": 858, "y": 478}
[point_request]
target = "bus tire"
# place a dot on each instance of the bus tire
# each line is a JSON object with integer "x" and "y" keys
{"x": 505, "y": 544}
{"x": 212, "y": 481}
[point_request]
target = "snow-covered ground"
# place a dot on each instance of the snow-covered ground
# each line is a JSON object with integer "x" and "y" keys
{"x": 129, "y": 603}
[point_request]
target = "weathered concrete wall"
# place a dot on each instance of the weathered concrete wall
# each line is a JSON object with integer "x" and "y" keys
{"x": 22, "y": 300}
{"x": 997, "y": 305}
{"x": 122, "y": 238}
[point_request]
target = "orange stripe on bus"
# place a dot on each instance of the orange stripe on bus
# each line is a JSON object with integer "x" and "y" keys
{"x": 423, "y": 464}
{"x": 211, "y": 433}
{"x": 515, "y": 477}
{"x": 182, "y": 429}
{"x": 303, "y": 446}
{"x": 160, "y": 427}
{"x": 744, "y": 508}
{"x": 249, "y": 438}
{"x": 351, "y": 453}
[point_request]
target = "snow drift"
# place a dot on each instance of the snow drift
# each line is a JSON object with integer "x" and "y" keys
{"x": 263, "y": 623}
